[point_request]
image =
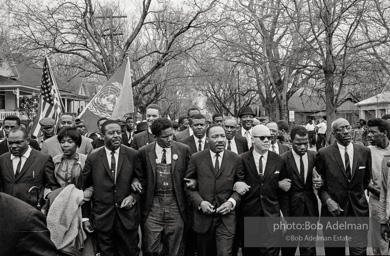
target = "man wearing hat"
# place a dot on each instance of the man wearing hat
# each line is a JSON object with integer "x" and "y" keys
{"x": 47, "y": 129}
{"x": 246, "y": 116}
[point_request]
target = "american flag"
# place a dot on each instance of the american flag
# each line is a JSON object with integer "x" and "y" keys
{"x": 50, "y": 104}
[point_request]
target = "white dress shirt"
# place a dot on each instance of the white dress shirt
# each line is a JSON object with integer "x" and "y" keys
{"x": 197, "y": 142}
{"x": 321, "y": 128}
{"x": 305, "y": 160}
{"x": 116, "y": 155}
{"x": 159, "y": 154}
{"x": 276, "y": 147}
{"x": 257, "y": 156}
{"x": 213, "y": 158}
{"x": 350, "y": 153}
{"x": 233, "y": 145}
{"x": 15, "y": 159}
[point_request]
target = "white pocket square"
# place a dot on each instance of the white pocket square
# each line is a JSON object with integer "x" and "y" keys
{"x": 277, "y": 172}
{"x": 362, "y": 167}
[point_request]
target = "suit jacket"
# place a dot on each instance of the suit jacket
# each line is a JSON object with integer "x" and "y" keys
{"x": 38, "y": 170}
{"x": 242, "y": 144}
{"x": 141, "y": 139}
{"x": 264, "y": 193}
{"x": 148, "y": 168}
{"x": 190, "y": 142}
{"x": 52, "y": 146}
{"x": 23, "y": 229}
{"x": 301, "y": 194}
{"x": 183, "y": 134}
{"x": 125, "y": 139}
{"x": 330, "y": 166}
{"x": 216, "y": 188}
{"x": 283, "y": 148}
{"x": 109, "y": 194}
{"x": 4, "y": 146}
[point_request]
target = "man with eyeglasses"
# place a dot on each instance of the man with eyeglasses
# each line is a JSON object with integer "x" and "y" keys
{"x": 9, "y": 123}
{"x": 346, "y": 171}
{"x": 235, "y": 143}
{"x": 262, "y": 168}
{"x": 23, "y": 168}
{"x": 52, "y": 146}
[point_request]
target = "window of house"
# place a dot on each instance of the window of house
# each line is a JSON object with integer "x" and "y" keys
{"x": 2, "y": 100}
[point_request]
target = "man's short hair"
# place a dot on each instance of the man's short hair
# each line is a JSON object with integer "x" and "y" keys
{"x": 211, "y": 126}
{"x": 362, "y": 121}
{"x": 192, "y": 108}
{"x": 129, "y": 117}
{"x": 19, "y": 128}
{"x": 109, "y": 121}
{"x": 70, "y": 132}
{"x": 68, "y": 114}
{"x": 227, "y": 118}
{"x": 300, "y": 130}
{"x": 197, "y": 116}
{"x": 154, "y": 106}
{"x": 181, "y": 119}
{"x": 385, "y": 117}
{"x": 283, "y": 125}
{"x": 159, "y": 125}
{"x": 217, "y": 115}
{"x": 100, "y": 119}
{"x": 12, "y": 118}
{"x": 382, "y": 124}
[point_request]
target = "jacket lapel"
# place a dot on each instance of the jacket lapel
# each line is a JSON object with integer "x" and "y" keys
{"x": 174, "y": 151}
{"x": 208, "y": 161}
{"x": 268, "y": 165}
{"x": 223, "y": 163}
{"x": 252, "y": 165}
{"x": 355, "y": 160}
{"x": 311, "y": 162}
{"x": 152, "y": 158}
{"x": 336, "y": 153}
{"x": 10, "y": 167}
{"x": 293, "y": 164}
{"x": 122, "y": 155}
{"x": 103, "y": 158}
{"x": 27, "y": 164}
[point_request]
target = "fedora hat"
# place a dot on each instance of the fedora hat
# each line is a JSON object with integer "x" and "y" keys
{"x": 142, "y": 126}
{"x": 246, "y": 110}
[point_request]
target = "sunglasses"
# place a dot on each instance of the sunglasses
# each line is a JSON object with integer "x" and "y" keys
{"x": 262, "y": 138}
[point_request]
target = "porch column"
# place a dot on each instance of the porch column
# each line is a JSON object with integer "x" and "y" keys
{"x": 66, "y": 104}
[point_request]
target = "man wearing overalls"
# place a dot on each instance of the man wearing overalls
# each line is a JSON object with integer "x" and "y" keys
{"x": 164, "y": 206}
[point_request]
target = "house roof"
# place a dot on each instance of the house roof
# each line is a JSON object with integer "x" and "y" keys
{"x": 383, "y": 97}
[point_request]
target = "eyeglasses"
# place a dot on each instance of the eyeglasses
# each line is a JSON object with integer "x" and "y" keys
{"x": 347, "y": 128}
{"x": 264, "y": 137}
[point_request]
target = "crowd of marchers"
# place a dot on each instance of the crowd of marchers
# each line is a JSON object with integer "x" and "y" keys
{"x": 188, "y": 187}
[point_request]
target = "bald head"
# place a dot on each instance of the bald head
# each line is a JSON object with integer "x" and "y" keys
{"x": 339, "y": 122}
{"x": 260, "y": 130}
{"x": 261, "y": 138}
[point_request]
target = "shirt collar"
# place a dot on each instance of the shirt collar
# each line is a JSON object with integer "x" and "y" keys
{"x": 25, "y": 155}
{"x": 159, "y": 149}
{"x": 108, "y": 151}
{"x": 202, "y": 139}
{"x": 341, "y": 147}
{"x": 213, "y": 154}
{"x": 296, "y": 155}
{"x": 243, "y": 131}
{"x": 256, "y": 155}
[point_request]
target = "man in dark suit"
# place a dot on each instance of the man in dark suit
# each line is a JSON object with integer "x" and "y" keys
{"x": 9, "y": 123}
{"x": 97, "y": 137}
{"x": 301, "y": 200}
{"x": 276, "y": 146}
{"x": 127, "y": 136}
{"x": 115, "y": 212}
{"x": 197, "y": 142}
{"x": 235, "y": 143}
{"x": 23, "y": 168}
{"x": 261, "y": 199}
{"x": 214, "y": 200}
{"x": 188, "y": 131}
{"x": 346, "y": 171}
{"x": 23, "y": 229}
{"x": 246, "y": 116}
{"x": 164, "y": 206}
{"x": 143, "y": 138}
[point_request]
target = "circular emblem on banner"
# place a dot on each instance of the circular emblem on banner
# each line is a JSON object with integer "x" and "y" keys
{"x": 104, "y": 102}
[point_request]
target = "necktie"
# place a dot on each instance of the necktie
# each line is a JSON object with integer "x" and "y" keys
{"x": 199, "y": 145}
{"x": 113, "y": 164}
{"x": 347, "y": 165}
{"x": 216, "y": 167}
{"x": 248, "y": 139}
{"x": 261, "y": 166}
{"x": 273, "y": 149}
{"x": 164, "y": 157}
{"x": 302, "y": 170}
{"x": 229, "y": 146}
{"x": 18, "y": 167}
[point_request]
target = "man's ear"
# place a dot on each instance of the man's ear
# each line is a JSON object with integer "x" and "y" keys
{"x": 28, "y": 140}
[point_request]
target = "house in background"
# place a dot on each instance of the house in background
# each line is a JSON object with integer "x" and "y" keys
{"x": 20, "y": 77}
{"x": 376, "y": 106}
{"x": 307, "y": 106}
